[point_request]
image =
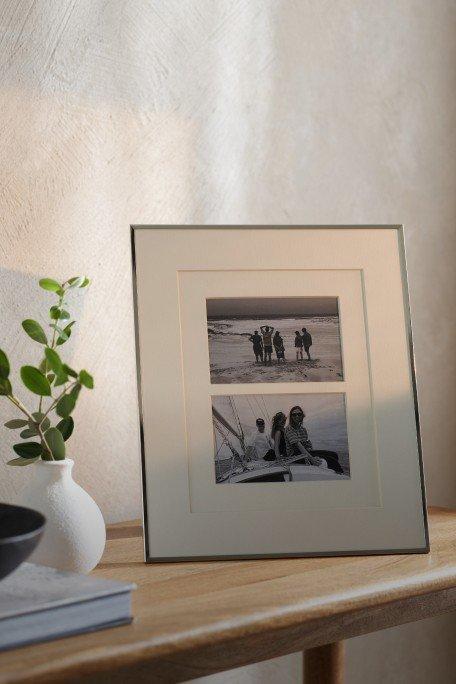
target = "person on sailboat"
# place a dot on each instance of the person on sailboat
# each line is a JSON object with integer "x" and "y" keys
{"x": 267, "y": 331}
{"x": 298, "y": 344}
{"x": 257, "y": 342}
{"x": 297, "y": 442}
{"x": 278, "y": 436}
{"x": 306, "y": 342}
{"x": 279, "y": 346}
{"x": 261, "y": 442}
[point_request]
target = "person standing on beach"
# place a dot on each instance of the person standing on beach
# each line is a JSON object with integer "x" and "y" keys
{"x": 257, "y": 346}
{"x": 278, "y": 346}
{"x": 306, "y": 342}
{"x": 267, "y": 331}
{"x": 298, "y": 345}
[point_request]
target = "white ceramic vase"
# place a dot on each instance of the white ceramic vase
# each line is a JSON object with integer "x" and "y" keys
{"x": 75, "y": 533}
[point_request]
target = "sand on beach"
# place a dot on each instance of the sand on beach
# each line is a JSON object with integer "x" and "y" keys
{"x": 232, "y": 359}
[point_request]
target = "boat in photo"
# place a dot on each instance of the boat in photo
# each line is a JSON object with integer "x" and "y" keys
{"x": 234, "y": 460}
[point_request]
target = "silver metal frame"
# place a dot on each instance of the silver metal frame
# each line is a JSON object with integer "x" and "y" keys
{"x": 406, "y": 300}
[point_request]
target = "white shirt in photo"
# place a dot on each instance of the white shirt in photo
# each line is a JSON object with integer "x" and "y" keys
{"x": 261, "y": 442}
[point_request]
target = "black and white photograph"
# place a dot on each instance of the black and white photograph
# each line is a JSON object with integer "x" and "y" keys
{"x": 280, "y": 438}
{"x": 274, "y": 339}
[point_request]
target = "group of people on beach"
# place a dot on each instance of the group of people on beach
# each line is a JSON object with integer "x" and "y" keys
{"x": 289, "y": 441}
{"x": 264, "y": 343}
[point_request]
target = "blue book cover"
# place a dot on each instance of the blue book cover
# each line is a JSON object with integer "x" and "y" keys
{"x": 38, "y": 603}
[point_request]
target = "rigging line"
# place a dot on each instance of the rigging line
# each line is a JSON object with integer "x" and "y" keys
{"x": 219, "y": 419}
{"x": 263, "y": 407}
{"x": 223, "y": 443}
{"x": 222, "y": 421}
{"x": 255, "y": 399}
{"x": 260, "y": 408}
{"x": 251, "y": 408}
{"x": 266, "y": 409}
{"x": 225, "y": 438}
{"x": 236, "y": 415}
{"x": 224, "y": 434}
{"x": 250, "y": 405}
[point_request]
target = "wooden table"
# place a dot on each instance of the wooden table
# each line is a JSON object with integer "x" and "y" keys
{"x": 193, "y": 619}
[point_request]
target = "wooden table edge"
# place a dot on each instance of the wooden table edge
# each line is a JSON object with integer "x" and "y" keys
{"x": 195, "y": 656}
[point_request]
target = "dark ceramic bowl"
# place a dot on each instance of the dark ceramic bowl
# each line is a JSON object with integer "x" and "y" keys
{"x": 20, "y": 531}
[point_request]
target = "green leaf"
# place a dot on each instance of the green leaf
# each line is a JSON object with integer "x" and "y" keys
{"x": 28, "y": 449}
{"x": 65, "y": 405}
{"x": 66, "y": 427}
{"x": 34, "y": 330}
{"x": 77, "y": 281}
{"x": 55, "y": 442}
{"x": 35, "y": 381}
{"x": 75, "y": 391}
{"x": 69, "y": 371}
{"x": 38, "y": 418}
{"x": 54, "y": 360}
{"x": 50, "y": 285}
{"x": 5, "y": 387}
{"x": 66, "y": 333}
{"x": 85, "y": 283}
{"x": 21, "y": 461}
{"x": 56, "y": 313}
{"x": 4, "y": 365}
{"x": 50, "y": 377}
{"x": 43, "y": 367}
{"x": 16, "y": 423}
{"x": 86, "y": 379}
{"x": 60, "y": 379}
{"x": 29, "y": 432}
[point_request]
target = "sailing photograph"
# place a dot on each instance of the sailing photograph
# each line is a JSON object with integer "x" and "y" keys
{"x": 274, "y": 339}
{"x": 280, "y": 438}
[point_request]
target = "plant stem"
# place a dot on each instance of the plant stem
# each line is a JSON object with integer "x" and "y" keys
{"x": 55, "y": 402}
{"x": 22, "y": 408}
{"x": 60, "y": 305}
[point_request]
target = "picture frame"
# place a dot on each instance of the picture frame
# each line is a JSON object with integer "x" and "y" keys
{"x": 279, "y": 358}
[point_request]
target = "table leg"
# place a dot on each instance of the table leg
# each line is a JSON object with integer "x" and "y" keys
{"x": 324, "y": 664}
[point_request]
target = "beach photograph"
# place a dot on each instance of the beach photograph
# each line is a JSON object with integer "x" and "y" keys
{"x": 274, "y": 339}
{"x": 280, "y": 438}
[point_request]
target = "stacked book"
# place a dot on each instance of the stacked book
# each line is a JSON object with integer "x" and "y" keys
{"x": 38, "y": 603}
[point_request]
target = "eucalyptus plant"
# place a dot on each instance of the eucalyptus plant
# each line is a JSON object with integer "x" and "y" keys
{"x": 55, "y": 383}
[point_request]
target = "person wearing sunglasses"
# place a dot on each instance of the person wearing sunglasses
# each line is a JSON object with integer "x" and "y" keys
{"x": 297, "y": 442}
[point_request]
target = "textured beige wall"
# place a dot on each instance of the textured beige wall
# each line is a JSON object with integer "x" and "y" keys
{"x": 231, "y": 111}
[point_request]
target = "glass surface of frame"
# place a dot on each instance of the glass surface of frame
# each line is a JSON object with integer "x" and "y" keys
{"x": 273, "y": 419}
